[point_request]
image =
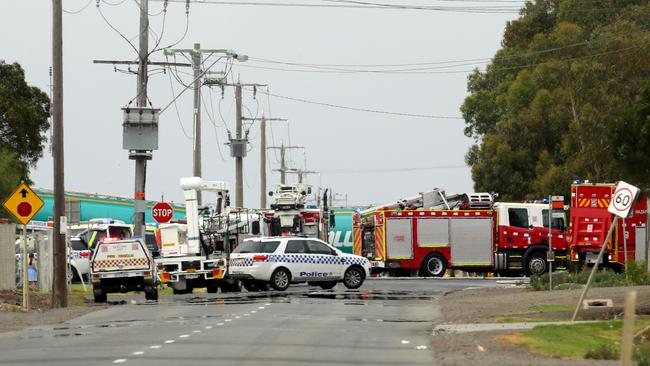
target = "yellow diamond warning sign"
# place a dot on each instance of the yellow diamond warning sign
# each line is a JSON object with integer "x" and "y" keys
{"x": 23, "y": 203}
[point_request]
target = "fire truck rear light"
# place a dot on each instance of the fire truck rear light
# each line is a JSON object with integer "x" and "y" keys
{"x": 85, "y": 253}
{"x": 260, "y": 258}
{"x": 609, "y": 257}
{"x": 217, "y": 272}
{"x": 95, "y": 276}
{"x": 575, "y": 256}
{"x": 147, "y": 273}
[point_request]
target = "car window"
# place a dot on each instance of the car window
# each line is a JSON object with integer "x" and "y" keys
{"x": 296, "y": 246}
{"x": 316, "y": 247}
{"x": 250, "y": 246}
{"x": 77, "y": 244}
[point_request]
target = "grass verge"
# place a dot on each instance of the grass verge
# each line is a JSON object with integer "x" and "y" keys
{"x": 576, "y": 341}
{"x": 634, "y": 275}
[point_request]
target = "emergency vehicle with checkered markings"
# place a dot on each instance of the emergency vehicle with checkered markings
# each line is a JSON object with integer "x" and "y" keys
{"x": 432, "y": 232}
{"x": 590, "y": 221}
{"x": 281, "y": 261}
{"x": 123, "y": 266}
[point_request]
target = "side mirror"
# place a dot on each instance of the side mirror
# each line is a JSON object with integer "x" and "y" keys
{"x": 270, "y": 193}
{"x": 530, "y": 227}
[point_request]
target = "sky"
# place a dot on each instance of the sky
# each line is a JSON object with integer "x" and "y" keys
{"x": 370, "y": 157}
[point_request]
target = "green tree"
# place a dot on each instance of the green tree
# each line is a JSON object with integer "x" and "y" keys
{"x": 566, "y": 97}
{"x": 24, "y": 112}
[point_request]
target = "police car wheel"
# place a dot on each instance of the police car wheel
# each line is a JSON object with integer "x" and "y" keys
{"x": 280, "y": 279}
{"x": 353, "y": 278}
{"x": 327, "y": 285}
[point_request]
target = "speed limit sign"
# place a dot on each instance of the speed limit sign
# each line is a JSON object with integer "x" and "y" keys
{"x": 623, "y": 199}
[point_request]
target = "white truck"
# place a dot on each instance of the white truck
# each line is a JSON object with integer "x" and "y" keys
{"x": 123, "y": 266}
{"x": 188, "y": 258}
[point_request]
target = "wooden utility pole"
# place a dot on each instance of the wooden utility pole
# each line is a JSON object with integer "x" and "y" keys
{"x": 283, "y": 161}
{"x": 239, "y": 159}
{"x": 59, "y": 284}
{"x": 196, "y": 68}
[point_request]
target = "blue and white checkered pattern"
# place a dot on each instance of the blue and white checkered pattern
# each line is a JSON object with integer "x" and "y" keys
{"x": 242, "y": 262}
{"x": 302, "y": 258}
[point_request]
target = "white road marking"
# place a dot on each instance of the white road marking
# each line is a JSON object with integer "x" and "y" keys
{"x": 184, "y": 336}
{"x": 208, "y": 327}
{"x": 155, "y": 346}
{"x": 138, "y": 353}
{"x": 268, "y": 304}
{"x": 120, "y": 360}
{"x": 261, "y": 307}
{"x": 247, "y": 314}
{"x": 380, "y": 320}
{"x": 404, "y": 341}
{"x": 253, "y": 311}
{"x": 421, "y": 347}
{"x": 238, "y": 317}
{"x": 228, "y": 320}
{"x": 219, "y": 324}
{"x": 169, "y": 341}
{"x": 196, "y": 331}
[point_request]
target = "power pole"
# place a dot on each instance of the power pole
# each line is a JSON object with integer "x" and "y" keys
{"x": 196, "y": 68}
{"x": 196, "y": 55}
{"x": 283, "y": 162}
{"x": 301, "y": 173}
{"x": 141, "y": 156}
{"x": 59, "y": 282}
{"x": 263, "y": 148}
{"x": 239, "y": 158}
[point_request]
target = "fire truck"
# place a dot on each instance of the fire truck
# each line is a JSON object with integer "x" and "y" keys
{"x": 432, "y": 232}
{"x": 590, "y": 221}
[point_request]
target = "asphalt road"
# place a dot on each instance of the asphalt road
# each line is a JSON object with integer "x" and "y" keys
{"x": 385, "y": 322}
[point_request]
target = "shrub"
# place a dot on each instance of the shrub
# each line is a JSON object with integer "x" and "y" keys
{"x": 604, "y": 352}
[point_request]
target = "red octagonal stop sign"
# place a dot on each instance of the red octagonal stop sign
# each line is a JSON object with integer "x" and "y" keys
{"x": 162, "y": 212}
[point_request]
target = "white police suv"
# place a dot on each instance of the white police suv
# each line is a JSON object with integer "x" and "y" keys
{"x": 280, "y": 261}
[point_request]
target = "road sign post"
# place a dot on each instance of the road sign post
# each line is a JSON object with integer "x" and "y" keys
{"x": 162, "y": 212}
{"x": 620, "y": 205}
{"x": 24, "y": 204}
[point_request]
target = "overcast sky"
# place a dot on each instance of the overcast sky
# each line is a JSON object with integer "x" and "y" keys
{"x": 351, "y": 148}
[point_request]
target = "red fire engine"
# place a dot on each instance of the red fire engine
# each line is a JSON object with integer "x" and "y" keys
{"x": 468, "y": 233}
{"x": 590, "y": 221}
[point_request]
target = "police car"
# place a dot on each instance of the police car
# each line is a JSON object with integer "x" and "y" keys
{"x": 280, "y": 261}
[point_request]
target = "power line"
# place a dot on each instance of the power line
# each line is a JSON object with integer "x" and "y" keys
{"x": 390, "y": 170}
{"x": 357, "y": 109}
{"x": 80, "y": 10}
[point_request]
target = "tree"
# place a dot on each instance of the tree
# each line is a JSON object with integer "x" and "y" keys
{"x": 567, "y": 97}
{"x": 24, "y": 113}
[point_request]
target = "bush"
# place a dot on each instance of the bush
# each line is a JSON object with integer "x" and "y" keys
{"x": 641, "y": 355}
{"x": 634, "y": 275}
{"x": 604, "y": 352}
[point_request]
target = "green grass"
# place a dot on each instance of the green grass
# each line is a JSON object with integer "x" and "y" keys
{"x": 552, "y": 308}
{"x": 571, "y": 341}
{"x": 523, "y": 319}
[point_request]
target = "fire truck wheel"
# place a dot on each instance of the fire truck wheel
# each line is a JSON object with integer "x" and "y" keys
{"x": 99, "y": 294}
{"x": 433, "y": 265}
{"x": 536, "y": 264}
{"x": 251, "y": 286}
{"x": 327, "y": 285}
{"x": 280, "y": 279}
{"x": 353, "y": 278}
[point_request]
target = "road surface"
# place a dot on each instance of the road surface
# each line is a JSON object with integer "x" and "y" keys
{"x": 385, "y": 322}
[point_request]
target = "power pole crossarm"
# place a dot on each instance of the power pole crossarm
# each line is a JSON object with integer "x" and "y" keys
{"x": 283, "y": 162}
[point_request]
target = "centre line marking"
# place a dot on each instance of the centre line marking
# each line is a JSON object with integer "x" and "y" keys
{"x": 169, "y": 341}
{"x": 184, "y": 336}
{"x": 138, "y": 353}
{"x": 155, "y": 346}
{"x": 120, "y": 360}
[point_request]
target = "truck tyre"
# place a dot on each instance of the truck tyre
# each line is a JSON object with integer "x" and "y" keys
{"x": 212, "y": 287}
{"x": 99, "y": 294}
{"x": 327, "y": 285}
{"x": 230, "y": 285}
{"x": 280, "y": 279}
{"x": 536, "y": 264}
{"x": 433, "y": 265}
{"x": 353, "y": 278}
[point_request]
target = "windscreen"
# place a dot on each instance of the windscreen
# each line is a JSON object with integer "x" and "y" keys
{"x": 250, "y": 246}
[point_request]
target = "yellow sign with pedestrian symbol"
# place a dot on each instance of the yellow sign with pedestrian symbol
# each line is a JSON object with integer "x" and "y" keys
{"x": 23, "y": 204}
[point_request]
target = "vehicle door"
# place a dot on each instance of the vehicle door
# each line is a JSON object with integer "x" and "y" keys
{"x": 325, "y": 261}
{"x": 296, "y": 259}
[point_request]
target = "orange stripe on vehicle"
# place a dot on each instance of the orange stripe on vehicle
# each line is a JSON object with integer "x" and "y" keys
{"x": 380, "y": 251}
{"x": 356, "y": 243}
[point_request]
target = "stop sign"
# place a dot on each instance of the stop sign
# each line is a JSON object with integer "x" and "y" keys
{"x": 162, "y": 212}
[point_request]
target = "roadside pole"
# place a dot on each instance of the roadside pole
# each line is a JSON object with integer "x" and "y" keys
{"x": 625, "y": 246}
{"x": 549, "y": 256}
{"x": 25, "y": 270}
{"x": 593, "y": 270}
{"x": 647, "y": 229}
{"x": 627, "y": 345}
